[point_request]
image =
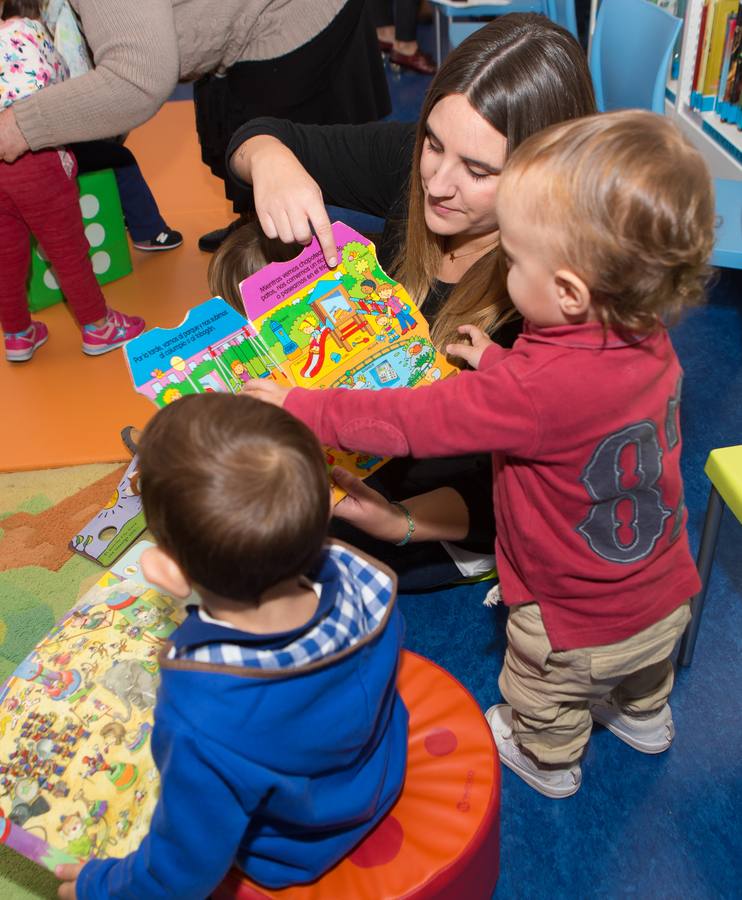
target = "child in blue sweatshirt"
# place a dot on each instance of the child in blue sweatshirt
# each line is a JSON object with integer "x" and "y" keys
{"x": 279, "y": 734}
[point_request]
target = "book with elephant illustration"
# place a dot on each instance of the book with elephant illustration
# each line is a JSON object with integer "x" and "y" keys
{"x": 305, "y": 325}
{"x": 77, "y": 777}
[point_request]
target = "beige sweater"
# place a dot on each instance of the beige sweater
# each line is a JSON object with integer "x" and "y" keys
{"x": 141, "y": 48}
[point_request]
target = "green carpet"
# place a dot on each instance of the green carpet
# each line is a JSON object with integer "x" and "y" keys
{"x": 40, "y": 579}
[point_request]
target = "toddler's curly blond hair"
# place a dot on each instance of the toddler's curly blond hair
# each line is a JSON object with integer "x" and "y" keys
{"x": 624, "y": 201}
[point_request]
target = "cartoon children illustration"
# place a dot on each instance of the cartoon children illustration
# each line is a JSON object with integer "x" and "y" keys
{"x": 318, "y": 338}
{"x": 396, "y": 307}
{"x": 371, "y": 302}
{"x": 239, "y": 371}
{"x": 386, "y": 324}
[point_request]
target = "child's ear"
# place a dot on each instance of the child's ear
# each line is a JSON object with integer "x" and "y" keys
{"x": 573, "y": 294}
{"x": 162, "y": 570}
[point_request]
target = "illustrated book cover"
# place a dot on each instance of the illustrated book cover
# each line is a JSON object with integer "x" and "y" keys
{"x": 305, "y": 325}
{"x": 77, "y": 779}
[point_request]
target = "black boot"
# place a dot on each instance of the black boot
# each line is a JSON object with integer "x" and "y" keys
{"x": 212, "y": 240}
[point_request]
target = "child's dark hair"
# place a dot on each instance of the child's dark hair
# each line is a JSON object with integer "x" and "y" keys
{"x": 23, "y": 9}
{"x": 236, "y": 491}
{"x": 245, "y": 251}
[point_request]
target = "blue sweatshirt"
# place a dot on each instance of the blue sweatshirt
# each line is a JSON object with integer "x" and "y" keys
{"x": 281, "y": 761}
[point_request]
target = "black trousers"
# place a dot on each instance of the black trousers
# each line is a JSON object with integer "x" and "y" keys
{"x": 400, "y": 13}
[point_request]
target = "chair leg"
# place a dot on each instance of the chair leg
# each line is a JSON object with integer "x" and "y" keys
{"x": 704, "y": 562}
{"x": 438, "y": 40}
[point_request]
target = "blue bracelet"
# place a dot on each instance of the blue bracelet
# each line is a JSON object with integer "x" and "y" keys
{"x": 410, "y": 524}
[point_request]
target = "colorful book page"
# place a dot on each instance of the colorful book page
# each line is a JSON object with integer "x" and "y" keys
{"x": 349, "y": 327}
{"x": 307, "y": 325}
{"x": 77, "y": 777}
{"x": 210, "y": 351}
{"x": 352, "y": 326}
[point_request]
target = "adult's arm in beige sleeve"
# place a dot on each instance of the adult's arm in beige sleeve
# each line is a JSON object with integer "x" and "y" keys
{"x": 136, "y": 59}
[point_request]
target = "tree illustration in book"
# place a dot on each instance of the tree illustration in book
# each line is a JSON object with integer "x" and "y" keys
{"x": 76, "y": 775}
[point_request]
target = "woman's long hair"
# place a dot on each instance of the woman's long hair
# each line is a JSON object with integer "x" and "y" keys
{"x": 521, "y": 73}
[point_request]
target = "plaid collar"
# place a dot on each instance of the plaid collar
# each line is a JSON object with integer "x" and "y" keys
{"x": 354, "y": 596}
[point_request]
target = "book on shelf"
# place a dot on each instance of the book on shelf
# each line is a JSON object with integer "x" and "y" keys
{"x": 726, "y": 59}
{"x": 719, "y": 13}
{"x": 729, "y": 108}
{"x": 701, "y": 54}
{"x": 716, "y": 82}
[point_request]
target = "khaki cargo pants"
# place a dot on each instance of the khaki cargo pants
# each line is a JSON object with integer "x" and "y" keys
{"x": 550, "y": 692}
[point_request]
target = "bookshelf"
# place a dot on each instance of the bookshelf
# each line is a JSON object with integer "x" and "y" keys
{"x": 719, "y": 142}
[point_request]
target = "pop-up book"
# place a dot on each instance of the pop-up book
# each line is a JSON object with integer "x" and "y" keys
{"x": 307, "y": 326}
{"x": 76, "y": 775}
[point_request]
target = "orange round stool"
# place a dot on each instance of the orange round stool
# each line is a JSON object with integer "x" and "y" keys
{"x": 442, "y": 837}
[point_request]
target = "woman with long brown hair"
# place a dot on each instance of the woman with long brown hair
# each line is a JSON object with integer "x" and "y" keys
{"x": 434, "y": 184}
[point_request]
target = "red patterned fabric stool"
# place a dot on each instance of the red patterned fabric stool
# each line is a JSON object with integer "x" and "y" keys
{"x": 442, "y": 838}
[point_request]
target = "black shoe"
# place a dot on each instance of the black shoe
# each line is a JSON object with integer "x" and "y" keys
{"x": 212, "y": 240}
{"x": 165, "y": 240}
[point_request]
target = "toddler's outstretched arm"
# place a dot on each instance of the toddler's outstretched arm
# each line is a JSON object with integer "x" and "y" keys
{"x": 474, "y": 412}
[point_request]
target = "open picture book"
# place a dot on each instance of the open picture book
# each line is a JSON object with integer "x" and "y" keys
{"x": 77, "y": 779}
{"x": 305, "y": 326}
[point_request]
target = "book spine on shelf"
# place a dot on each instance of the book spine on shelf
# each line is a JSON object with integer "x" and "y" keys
{"x": 697, "y": 74}
{"x": 730, "y": 27}
{"x": 722, "y": 9}
{"x": 728, "y": 112}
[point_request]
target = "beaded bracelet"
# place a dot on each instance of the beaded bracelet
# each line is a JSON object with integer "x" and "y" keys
{"x": 410, "y": 524}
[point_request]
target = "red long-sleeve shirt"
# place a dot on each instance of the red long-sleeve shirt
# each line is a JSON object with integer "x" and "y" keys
{"x": 585, "y": 443}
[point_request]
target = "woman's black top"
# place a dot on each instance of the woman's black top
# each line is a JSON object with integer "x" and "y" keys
{"x": 367, "y": 168}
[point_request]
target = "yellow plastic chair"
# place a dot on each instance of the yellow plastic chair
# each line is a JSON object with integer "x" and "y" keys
{"x": 724, "y": 470}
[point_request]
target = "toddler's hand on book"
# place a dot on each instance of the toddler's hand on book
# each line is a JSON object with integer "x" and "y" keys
{"x": 267, "y": 390}
{"x": 68, "y": 876}
{"x": 471, "y": 352}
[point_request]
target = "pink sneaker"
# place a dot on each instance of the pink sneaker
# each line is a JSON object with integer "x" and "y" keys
{"x": 20, "y": 346}
{"x": 117, "y": 330}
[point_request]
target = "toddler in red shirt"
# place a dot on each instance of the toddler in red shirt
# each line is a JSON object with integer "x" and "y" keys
{"x": 607, "y": 223}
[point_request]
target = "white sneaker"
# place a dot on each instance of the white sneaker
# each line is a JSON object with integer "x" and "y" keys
{"x": 649, "y": 735}
{"x": 555, "y": 783}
